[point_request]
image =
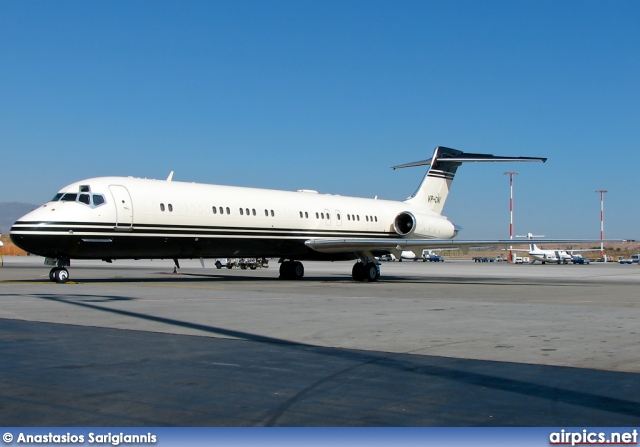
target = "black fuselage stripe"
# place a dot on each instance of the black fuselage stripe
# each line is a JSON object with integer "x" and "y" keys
{"x": 197, "y": 231}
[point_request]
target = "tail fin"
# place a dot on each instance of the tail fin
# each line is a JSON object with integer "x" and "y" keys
{"x": 435, "y": 186}
{"x": 533, "y": 247}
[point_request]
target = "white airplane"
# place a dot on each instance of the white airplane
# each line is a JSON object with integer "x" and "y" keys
{"x": 424, "y": 254}
{"x": 550, "y": 255}
{"x": 112, "y": 218}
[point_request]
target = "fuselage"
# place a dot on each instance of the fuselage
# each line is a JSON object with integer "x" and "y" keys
{"x": 553, "y": 256}
{"x": 124, "y": 217}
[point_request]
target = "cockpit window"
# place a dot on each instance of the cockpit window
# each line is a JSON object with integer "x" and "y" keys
{"x": 84, "y": 198}
{"x": 69, "y": 197}
{"x": 92, "y": 200}
{"x": 98, "y": 199}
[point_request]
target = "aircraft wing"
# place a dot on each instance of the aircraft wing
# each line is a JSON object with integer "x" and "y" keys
{"x": 359, "y": 245}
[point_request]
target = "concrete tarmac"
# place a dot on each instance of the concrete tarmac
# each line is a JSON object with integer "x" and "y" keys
{"x": 431, "y": 344}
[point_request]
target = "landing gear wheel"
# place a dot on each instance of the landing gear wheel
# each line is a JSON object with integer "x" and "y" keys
{"x": 371, "y": 272}
{"x": 59, "y": 275}
{"x": 291, "y": 270}
{"x": 357, "y": 272}
{"x": 298, "y": 270}
{"x": 365, "y": 272}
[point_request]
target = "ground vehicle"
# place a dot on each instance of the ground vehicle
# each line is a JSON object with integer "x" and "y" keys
{"x": 434, "y": 258}
{"x": 242, "y": 263}
{"x": 580, "y": 260}
{"x": 635, "y": 258}
{"x": 622, "y": 260}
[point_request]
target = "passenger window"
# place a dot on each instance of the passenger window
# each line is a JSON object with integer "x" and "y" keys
{"x": 170, "y": 208}
{"x": 272, "y": 213}
{"x": 162, "y": 207}
{"x": 215, "y": 210}
{"x": 241, "y": 212}
{"x": 253, "y": 211}
{"x": 84, "y": 198}
{"x": 221, "y": 210}
{"x": 228, "y": 210}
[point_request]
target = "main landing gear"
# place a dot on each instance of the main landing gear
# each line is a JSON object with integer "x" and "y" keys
{"x": 364, "y": 270}
{"x": 291, "y": 270}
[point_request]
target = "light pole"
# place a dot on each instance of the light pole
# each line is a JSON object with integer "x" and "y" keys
{"x": 511, "y": 174}
{"x": 601, "y": 191}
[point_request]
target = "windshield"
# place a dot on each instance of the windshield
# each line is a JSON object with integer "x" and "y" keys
{"x": 92, "y": 200}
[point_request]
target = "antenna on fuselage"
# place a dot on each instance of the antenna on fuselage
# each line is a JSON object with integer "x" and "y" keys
{"x": 170, "y": 176}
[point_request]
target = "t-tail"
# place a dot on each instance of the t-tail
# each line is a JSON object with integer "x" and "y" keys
{"x": 533, "y": 247}
{"x": 435, "y": 186}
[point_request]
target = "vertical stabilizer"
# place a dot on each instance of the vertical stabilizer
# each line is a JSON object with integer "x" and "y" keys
{"x": 435, "y": 186}
{"x": 533, "y": 247}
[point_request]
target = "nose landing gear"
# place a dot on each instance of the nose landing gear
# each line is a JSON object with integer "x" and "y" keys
{"x": 59, "y": 273}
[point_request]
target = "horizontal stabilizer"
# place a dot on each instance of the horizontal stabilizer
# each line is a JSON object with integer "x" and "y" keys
{"x": 448, "y": 156}
{"x": 444, "y": 163}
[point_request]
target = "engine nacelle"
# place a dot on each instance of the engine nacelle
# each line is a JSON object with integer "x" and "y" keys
{"x": 405, "y": 223}
{"x": 411, "y": 224}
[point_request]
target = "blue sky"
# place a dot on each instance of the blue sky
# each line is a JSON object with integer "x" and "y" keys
{"x": 328, "y": 95}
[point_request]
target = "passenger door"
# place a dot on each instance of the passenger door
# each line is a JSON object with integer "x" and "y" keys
{"x": 124, "y": 207}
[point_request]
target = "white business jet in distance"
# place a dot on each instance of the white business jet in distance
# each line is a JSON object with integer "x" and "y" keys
{"x": 551, "y": 256}
{"x": 112, "y": 218}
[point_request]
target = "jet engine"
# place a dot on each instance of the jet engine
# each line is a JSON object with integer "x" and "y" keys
{"x": 405, "y": 223}
{"x": 412, "y": 224}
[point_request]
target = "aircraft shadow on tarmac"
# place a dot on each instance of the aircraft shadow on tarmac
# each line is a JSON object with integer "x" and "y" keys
{"x": 336, "y": 279}
{"x": 556, "y": 387}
